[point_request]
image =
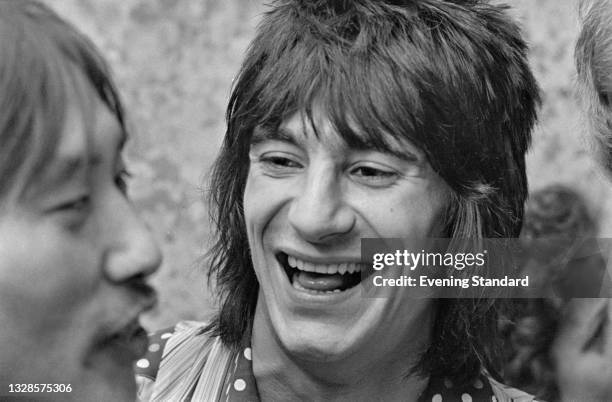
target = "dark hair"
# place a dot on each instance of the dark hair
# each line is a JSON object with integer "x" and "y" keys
{"x": 594, "y": 64}
{"x": 452, "y": 78}
{"x": 553, "y": 212}
{"x": 39, "y": 55}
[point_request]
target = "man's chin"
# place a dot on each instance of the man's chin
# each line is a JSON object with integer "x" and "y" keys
{"x": 318, "y": 346}
{"x": 106, "y": 381}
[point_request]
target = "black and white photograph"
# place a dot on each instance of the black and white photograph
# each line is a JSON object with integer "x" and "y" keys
{"x": 306, "y": 200}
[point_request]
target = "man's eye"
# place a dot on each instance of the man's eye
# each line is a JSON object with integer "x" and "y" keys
{"x": 279, "y": 162}
{"x": 78, "y": 204}
{"x": 371, "y": 172}
{"x": 374, "y": 176}
{"x": 121, "y": 180}
{"x": 74, "y": 213}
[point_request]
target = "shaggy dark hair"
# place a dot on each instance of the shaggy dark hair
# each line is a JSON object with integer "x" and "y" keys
{"x": 452, "y": 77}
{"x": 40, "y": 53}
{"x": 594, "y": 64}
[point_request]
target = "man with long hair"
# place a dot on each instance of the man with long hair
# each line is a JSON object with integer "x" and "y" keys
{"x": 351, "y": 120}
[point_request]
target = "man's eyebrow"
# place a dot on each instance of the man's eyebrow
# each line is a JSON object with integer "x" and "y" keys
{"x": 263, "y": 133}
{"x": 68, "y": 167}
{"x": 267, "y": 133}
{"x": 63, "y": 170}
{"x": 396, "y": 150}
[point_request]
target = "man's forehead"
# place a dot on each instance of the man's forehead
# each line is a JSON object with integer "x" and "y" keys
{"x": 88, "y": 120}
{"x": 299, "y": 128}
{"x": 73, "y": 141}
{"x": 86, "y": 137}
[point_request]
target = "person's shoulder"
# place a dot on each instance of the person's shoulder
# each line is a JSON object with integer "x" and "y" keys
{"x": 181, "y": 333}
{"x": 171, "y": 350}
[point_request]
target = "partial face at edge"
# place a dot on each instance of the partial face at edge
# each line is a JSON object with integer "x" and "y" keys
{"x": 582, "y": 350}
{"x": 73, "y": 258}
{"x": 308, "y": 201}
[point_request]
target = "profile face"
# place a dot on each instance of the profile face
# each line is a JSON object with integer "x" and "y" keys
{"x": 73, "y": 259}
{"x": 584, "y": 339}
{"x": 309, "y": 199}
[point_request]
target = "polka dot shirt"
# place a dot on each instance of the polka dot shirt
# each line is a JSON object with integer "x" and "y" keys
{"x": 239, "y": 384}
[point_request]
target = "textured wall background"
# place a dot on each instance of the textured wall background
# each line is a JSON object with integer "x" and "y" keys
{"x": 174, "y": 61}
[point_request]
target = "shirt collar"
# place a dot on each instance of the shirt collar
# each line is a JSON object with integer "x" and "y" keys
{"x": 240, "y": 385}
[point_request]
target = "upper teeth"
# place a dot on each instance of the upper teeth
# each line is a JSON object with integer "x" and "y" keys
{"x": 341, "y": 268}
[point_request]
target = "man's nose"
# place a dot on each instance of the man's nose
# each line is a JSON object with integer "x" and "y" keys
{"x": 133, "y": 251}
{"x": 319, "y": 212}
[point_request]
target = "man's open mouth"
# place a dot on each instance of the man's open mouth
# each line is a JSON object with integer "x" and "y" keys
{"x": 127, "y": 343}
{"x": 320, "y": 278}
